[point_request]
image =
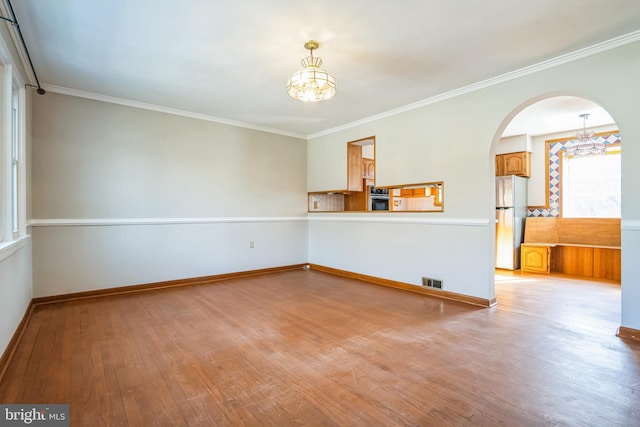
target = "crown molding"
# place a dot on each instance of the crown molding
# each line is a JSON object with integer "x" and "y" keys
{"x": 512, "y": 75}
{"x": 158, "y": 108}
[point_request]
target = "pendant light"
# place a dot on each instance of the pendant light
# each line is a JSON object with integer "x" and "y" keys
{"x": 585, "y": 144}
{"x": 312, "y": 83}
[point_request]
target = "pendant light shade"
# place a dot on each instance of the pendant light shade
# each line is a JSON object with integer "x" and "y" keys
{"x": 585, "y": 144}
{"x": 311, "y": 83}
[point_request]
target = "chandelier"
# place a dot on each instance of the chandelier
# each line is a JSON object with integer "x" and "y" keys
{"x": 311, "y": 83}
{"x": 585, "y": 144}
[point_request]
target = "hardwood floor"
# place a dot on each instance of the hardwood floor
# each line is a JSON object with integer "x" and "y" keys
{"x": 309, "y": 348}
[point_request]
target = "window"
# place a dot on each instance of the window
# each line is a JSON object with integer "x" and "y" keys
{"x": 15, "y": 158}
{"x": 591, "y": 185}
{"x": 12, "y": 154}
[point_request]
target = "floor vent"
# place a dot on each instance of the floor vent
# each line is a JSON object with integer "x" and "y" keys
{"x": 432, "y": 283}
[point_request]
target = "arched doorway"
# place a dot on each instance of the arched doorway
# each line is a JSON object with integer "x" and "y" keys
{"x": 545, "y": 129}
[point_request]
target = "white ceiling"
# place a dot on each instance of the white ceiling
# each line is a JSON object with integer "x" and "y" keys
{"x": 231, "y": 59}
{"x": 557, "y": 114}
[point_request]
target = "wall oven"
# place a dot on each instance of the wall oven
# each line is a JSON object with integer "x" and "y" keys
{"x": 378, "y": 199}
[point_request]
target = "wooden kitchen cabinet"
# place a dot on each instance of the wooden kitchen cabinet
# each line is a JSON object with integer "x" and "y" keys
{"x": 356, "y": 201}
{"x": 368, "y": 168}
{"x": 514, "y": 164}
{"x": 413, "y": 192}
{"x": 419, "y": 192}
{"x": 354, "y": 168}
{"x": 499, "y": 168}
{"x": 535, "y": 258}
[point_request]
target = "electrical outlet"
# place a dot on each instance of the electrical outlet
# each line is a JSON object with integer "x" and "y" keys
{"x": 251, "y": 244}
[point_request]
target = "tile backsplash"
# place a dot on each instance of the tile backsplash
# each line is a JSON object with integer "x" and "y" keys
{"x": 326, "y": 202}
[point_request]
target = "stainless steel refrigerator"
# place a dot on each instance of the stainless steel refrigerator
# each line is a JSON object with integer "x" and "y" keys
{"x": 511, "y": 210}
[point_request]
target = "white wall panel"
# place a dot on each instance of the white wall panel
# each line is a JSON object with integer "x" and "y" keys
{"x": 406, "y": 249}
{"x": 76, "y": 258}
{"x": 15, "y": 287}
{"x": 631, "y": 274}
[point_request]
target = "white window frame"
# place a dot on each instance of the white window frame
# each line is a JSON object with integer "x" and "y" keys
{"x": 5, "y": 181}
{"x": 18, "y": 144}
{"x": 16, "y": 160}
{"x": 12, "y": 156}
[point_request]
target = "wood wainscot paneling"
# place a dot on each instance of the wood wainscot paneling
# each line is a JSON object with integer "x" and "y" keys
{"x": 573, "y": 231}
{"x": 586, "y": 247}
{"x": 541, "y": 230}
{"x": 589, "y": 231}
{"x": 607, "y": 264}
{"x": 573, "y": 260}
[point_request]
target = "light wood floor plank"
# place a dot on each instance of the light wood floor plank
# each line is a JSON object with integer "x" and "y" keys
{"x": 308, "y": 348}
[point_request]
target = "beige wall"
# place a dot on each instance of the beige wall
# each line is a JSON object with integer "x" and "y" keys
{"x": 123, "y": 196}
{"x": 92, "y": 159}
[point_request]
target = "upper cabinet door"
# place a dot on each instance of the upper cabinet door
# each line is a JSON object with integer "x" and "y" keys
{"x": 369, "y": 168}
{"x": 354, "y": 167}
{"x": 499, "y": 165}
{"x": 514, "y": 164}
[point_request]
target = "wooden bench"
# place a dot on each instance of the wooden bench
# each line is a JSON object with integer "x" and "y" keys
{"x": 588, "y": 247}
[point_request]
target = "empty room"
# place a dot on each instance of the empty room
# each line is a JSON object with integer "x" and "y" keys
{"x": 339, "y": 213}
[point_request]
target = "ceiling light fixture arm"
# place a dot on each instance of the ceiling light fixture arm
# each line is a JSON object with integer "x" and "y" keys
{"x": 14, "y": 22}
{"x": 584, "y": 118}
{"x": 311, "y": 45}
